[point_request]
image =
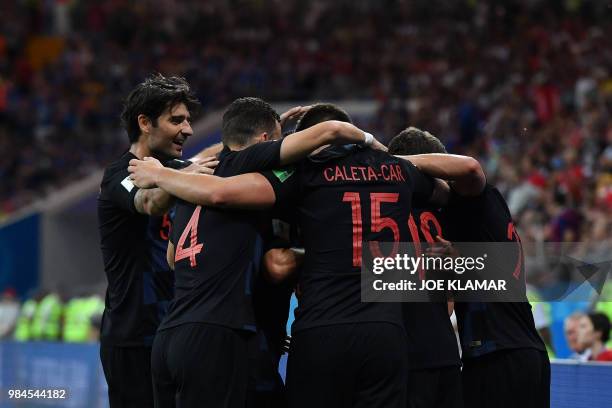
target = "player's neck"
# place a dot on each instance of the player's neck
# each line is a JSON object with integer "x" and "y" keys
{"x": 236, "y": 148}
{"x": 253, "y": 141}
{"x": 140, "y": 150}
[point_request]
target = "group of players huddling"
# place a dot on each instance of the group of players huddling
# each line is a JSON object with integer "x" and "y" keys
{"x": 200, "y": 274}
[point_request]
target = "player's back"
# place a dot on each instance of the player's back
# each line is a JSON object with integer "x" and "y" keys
{"x": 486, "y": 327}
{"x": 350, "y": 195}
{"x": 431, "y": 338}
{"x": 344, "y": 350}
{"x": 218, "y": 252}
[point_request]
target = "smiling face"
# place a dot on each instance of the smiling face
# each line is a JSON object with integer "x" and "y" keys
{"x": 173, "y": 128}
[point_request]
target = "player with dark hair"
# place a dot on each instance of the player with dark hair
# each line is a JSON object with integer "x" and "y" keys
{"x": 150, "y": 99}
{"x": 201, "y": 351}
{"x": 134, "y": 234}
{"x": 435, "y": 366}
{"x": 244, "y": 117}
{"x": 321, "y": 112}
{"x": 415, "y": 141}
{"x": 345, "y": 353}
{"x": 505, "y": 363}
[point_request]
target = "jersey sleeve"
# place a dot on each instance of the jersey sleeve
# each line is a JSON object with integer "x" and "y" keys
{"x": 120, "y": 190}
{"x": 422, "y": 184}
{"x": 258, "y": 157}
{"x": 286, "y": 185}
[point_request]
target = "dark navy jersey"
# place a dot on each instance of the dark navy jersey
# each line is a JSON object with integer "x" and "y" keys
{"x": 134, "y": 254}
{"x": 218, "y": 252}
{"x": 487, "y": 327}
{"x": 431, "y": 339}
{"x": 345, "y": 196}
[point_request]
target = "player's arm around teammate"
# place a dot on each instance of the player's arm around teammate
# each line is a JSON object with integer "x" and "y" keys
{"x": 464, "y": 172}
{"x": 190, "y": 187}
{"x": 252, "y": 190}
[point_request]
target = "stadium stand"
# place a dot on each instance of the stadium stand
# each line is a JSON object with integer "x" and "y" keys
{"x": 524, "y": 86}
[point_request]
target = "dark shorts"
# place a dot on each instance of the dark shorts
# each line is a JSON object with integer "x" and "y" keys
{"x": 507, "y": 379}
{"x": 265, "y": 387}
{"x": 348, "y": 365}
{"x": 435, "y": 388}
{"x": 128, "y": 375}
{"x": 200, "y": 365}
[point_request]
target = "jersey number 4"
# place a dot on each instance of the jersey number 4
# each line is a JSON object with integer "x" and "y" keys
{"x": 194, "y": 248}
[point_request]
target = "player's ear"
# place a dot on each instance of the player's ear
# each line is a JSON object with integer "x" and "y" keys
{"x": 262, "y": 137}
{"x": 144, "y": 123}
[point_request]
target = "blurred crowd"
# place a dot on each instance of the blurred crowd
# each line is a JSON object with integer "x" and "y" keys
{"x": 523, "y": 85}
{"x": 48, "y": 316}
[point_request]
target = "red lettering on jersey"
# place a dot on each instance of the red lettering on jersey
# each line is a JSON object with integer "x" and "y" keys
{"x": 514, "y": 236}
{"x": 363, "y": 173}
{"x": 355, "y": 201}
{"x": 384, "y": 168}
{"x": 339, "y": 175}
{"x": 164, "y": 231}
{"x": 379, "y": 223}
{"x": 190, "y": 252}
{"x": 329, "y": 177}
{"x": 354, "y": 173}
{"x": 400, "y": 174}
{"x": 414, "y": 233}
{"x": 372, "y": 174}
{"x": 346, "y": 176}
{"x": 394, "y": 175}
{"x": 426, "y": 218}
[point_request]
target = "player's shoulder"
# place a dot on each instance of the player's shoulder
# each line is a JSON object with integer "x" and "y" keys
{"x": 489, "y": 192}
{"x": 116, "y": 172}
{"x": 495, "y": 199}
{"x": 118, "y": 166}
{"x": 350, "y": 153}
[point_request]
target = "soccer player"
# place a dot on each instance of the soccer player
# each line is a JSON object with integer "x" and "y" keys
{"x": 505, "y": 363}
{"x": 201, "y": 351}
{"x": 134, "y": 234}
{"x": 344, "y": 353}
{"x": 433, "y": 356}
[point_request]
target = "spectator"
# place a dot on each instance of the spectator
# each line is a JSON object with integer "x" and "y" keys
{"x": 598, "y": 335}
{"x": 576, "y": 328}
{"x": 24, "y": 331}
{"x": 9, "y": 312}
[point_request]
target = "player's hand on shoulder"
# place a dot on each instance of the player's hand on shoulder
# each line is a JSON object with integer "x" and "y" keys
{"x": 143, "y": 172}
{"x": 204, "y": 165}
{"x": 293, "y": 114}
{"x": 378, "y": 146}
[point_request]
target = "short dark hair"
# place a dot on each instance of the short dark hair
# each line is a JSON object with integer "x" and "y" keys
{"x": 321, "y": 112}
{"x": 601, "y": 323}
{"x": 244, "y": 117}
{"x": 415, "y": 141}
{"x": 152, "y": 97}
